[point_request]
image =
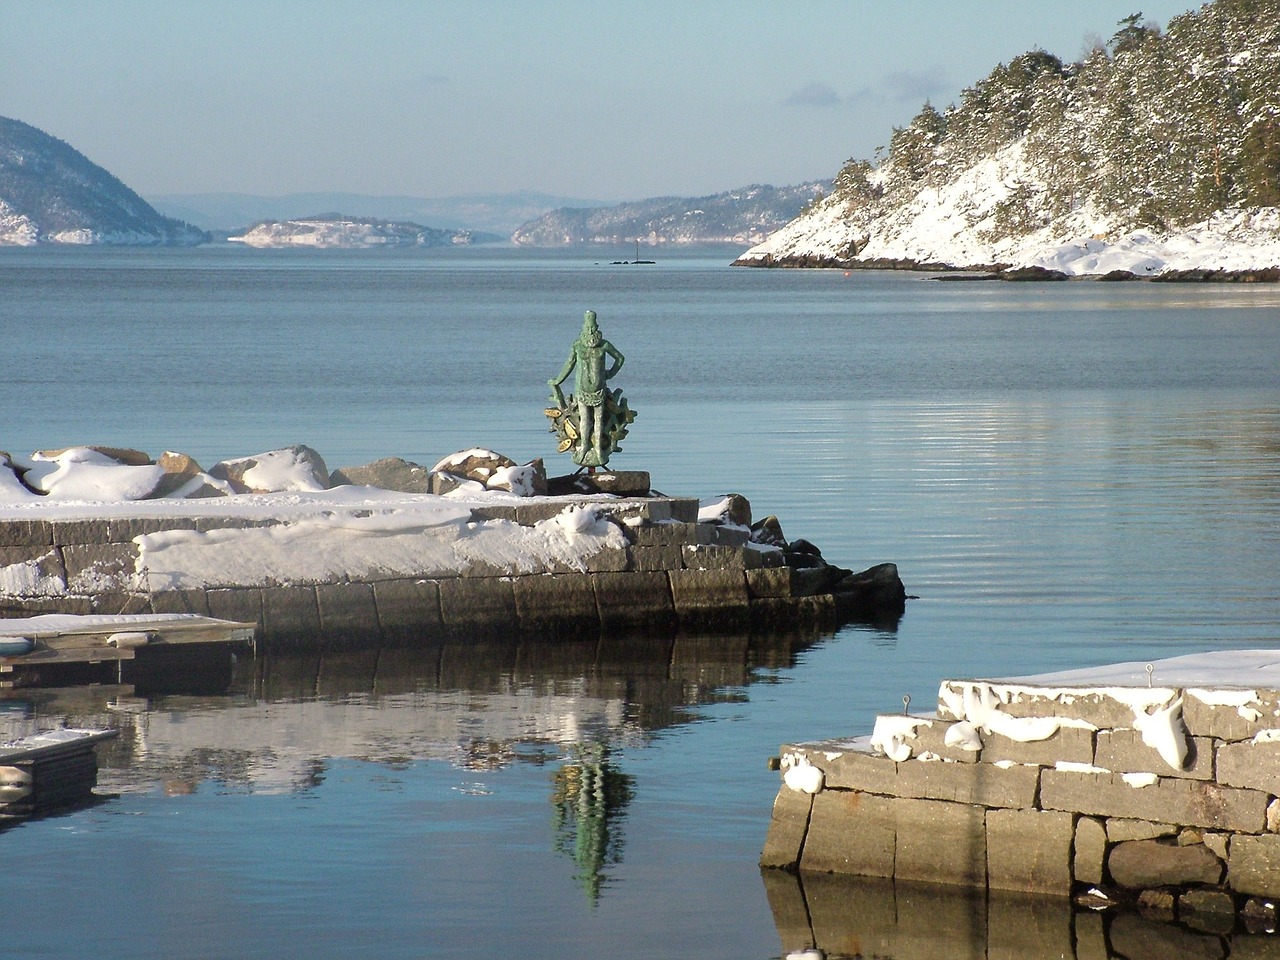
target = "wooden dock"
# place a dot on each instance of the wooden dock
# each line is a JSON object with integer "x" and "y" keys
{"x": 65, "y": 648}
{"x": 48, "y": 770}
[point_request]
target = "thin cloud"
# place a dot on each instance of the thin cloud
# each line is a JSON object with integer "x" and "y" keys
{"x": 813, "y": 95}
{"x": 914, "y": 85}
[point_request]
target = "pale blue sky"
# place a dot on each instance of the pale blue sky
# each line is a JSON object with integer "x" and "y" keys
{"x": 589, "y": 99}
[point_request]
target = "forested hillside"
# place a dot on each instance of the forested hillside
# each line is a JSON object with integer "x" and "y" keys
{"x": 1157, "y": 130}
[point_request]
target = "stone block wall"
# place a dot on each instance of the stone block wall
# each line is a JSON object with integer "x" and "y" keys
{"x": 1168, "y": 795}
{"x": 674, "y": 571}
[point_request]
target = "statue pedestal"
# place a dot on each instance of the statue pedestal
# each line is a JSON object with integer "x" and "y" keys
{"x": 622, "y": 483}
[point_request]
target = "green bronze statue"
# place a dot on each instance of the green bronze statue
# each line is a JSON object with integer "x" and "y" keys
{"x": 593, "y": 420}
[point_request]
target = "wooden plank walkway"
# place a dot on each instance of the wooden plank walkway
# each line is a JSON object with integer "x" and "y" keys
{"x": 70, "y": 641}
{"x": 48, "y": 770}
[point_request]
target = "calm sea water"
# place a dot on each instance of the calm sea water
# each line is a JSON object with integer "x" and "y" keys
{"x": 1066, "y": 474}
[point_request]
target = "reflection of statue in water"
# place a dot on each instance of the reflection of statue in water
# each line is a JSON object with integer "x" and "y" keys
{"x": 590, "y": 797}
{"x": 594, "y": 419}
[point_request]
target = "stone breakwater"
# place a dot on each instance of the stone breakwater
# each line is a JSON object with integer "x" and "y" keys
{"x": 648, "y": 565}
{"x": 1167, "y": 797}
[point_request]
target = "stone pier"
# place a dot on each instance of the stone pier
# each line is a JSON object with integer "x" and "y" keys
{"x": 663, "y": 570}
{"x": 1159, "y": 790}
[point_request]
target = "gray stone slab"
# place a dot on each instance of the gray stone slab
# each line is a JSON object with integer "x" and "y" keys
{"x": 634, "y": 599}
{"x": 97, "y": 567}
{"x": 931, "y": 741}
{"x": 1123, "y": 751}
{"x": 1120, "y": 829}
{"x": 1253, "y": 765}
{"x": 969, "y": 783}
{"x": 1141, "y": 864}
{"x": 26, "y": 533}
{"x": 850, "y": 832}
{"x": 468, "y": 603}
{"x": 348, "y": 611}
{"x": 849, "y": 769}
{"x": 663, "y": 534}
{"x": 1089, "y": 853}
{"x": 769, "y": 582}
{"x": 290, "y": 615}
{"x": 1226, "y": 722}
{"x": 494, "y": 511}
{"x": 35, "y": 606}
{"x": 1072, "y": 744}
{"x": 408, "y": 608}
{"x": 1091, "y": 706}
{"x": 683, "y": 509}
{"x": 1172, "y": 800}
{"x": 787, "y": 829}
{"x": 713, "y": 557}
{"x": 181, "y": 601}
{"x": 609, "y": 560}
{"x": 40, "y": 566}
{"x": 112, "y": 530}
{"x": 1253, "y": 865}
{"x": 241, "y": 604}
{"x": 693, "y": 590}
{"x": 555, "y": 599}
{"x": 537, "y": 510}
{"x": 117, "y": 603}
{"x": 941, "y": 842}
{"x": 649, "y": 559}
{"x": 1030, "y": 851}
{"x": 720, "y": 535}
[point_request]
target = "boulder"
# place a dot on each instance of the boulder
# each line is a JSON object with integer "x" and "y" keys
{"x": 731, "y": 508}
{"x": 130, "y": 458}
{"x": 179, "y": 470}
{"x": 1031, "y": 273}
{"x": 474, "y": 464}
{"x": 389, "y": 473}
{"x": 529, "y": 480}
{"x": 291, "y": 468}
{"x": 768, "y": 532}
{"x": 1141, "y": 864}
{"x": 877, "y": 590}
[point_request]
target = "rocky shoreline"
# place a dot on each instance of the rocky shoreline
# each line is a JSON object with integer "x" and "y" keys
{"x": 1006, "y": 272}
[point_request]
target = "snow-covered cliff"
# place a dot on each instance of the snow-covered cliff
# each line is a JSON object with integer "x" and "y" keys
{"x": 335, "y": 231}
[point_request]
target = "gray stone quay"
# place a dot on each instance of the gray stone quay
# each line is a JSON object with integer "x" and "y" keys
{"x": 667, "y": 571}
{"x": 1108, "y": 793}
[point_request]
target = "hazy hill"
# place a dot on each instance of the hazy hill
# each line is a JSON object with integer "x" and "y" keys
{"x": 1157, "y": 152}
{"x": 333, "y": 230}
{"x": 746, "y": 215}
{"x": 52, "y": 193}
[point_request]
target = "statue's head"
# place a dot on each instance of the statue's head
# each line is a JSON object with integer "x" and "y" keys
{"x": 589, "y": 322}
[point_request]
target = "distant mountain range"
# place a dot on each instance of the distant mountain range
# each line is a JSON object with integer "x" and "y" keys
{"x": 746, "y": 215}
{"x": 52, "y": 193}
{"x": 225, "y": 213}
{"x": 1158, "y": 154}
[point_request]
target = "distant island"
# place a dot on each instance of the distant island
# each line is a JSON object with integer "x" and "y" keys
{"x": 1157, "y": 155}
{"x": 332, "y": 230}
{"x": 742, "y": 216}
{"x": 50, "y": 193}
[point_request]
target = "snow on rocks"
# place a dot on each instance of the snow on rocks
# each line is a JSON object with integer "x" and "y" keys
{"x": 293, "y": 468}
